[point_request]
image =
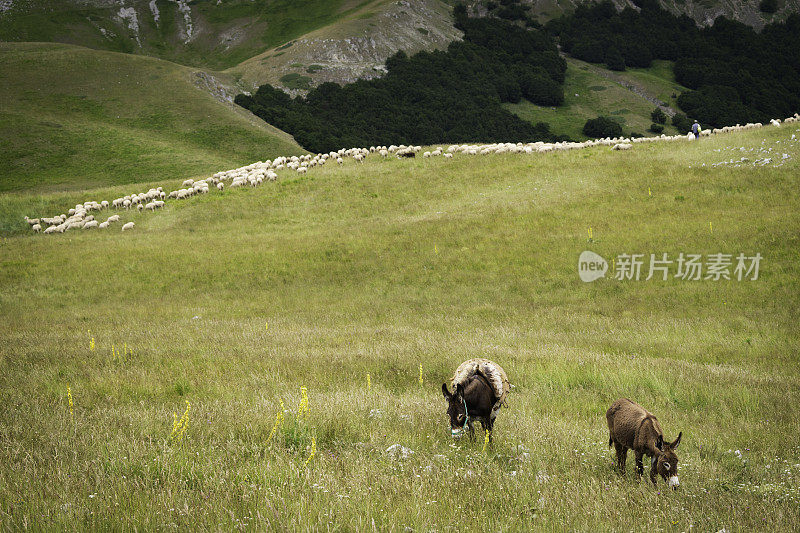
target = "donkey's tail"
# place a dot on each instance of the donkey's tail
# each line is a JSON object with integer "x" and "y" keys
{"x": 610, "y": 441}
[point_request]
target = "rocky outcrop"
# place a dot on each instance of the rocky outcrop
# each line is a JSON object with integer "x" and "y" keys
{"x": 354, "y": 49}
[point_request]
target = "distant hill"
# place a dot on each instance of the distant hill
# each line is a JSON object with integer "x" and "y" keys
{"x": 72, "y": 117}
{"x": 353, "y": 48}
{"x": 215, "y": 34}
{"x": 703, "y": 12}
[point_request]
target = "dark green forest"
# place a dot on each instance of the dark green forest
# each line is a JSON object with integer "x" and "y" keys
{"x": 736, "y": 74}
{"x": 447, "y": 96}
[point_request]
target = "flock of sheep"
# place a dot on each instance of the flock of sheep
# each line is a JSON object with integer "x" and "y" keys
{"x": 253, "y": 175}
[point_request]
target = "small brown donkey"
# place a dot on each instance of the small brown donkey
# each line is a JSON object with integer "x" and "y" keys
{"x": 631, "y": 426}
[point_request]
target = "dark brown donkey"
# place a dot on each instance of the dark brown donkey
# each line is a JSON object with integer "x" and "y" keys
{"x": 631, "y": 426}
{"x": 472, "y": 400}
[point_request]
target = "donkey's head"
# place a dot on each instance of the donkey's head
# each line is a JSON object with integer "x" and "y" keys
{"x": 666, "y": 462}
{"x": 456, "y": 409}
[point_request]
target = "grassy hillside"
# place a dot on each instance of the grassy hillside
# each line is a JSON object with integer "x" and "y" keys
{"x": 590, "y": 91}
{"x": 73, "y": 117}
{"x": 209, "y": 34}
{"x": 372, "y": 270}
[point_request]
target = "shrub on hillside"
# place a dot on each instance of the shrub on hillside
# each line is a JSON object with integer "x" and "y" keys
{"x": 539, "y": 88}
{"x": 602, "y": 127}
{"x": 682, "y": 123}
{"x": 656, "y": 128}
{"x": 658, "y": 116}
{"x": 637, "y": 55}
{"x": 614, "y": 59}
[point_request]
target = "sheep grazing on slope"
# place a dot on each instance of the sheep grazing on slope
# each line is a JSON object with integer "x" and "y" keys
{"x": 256, "y": 173}
{"x": 103, "y": 225}
{"x": 127, "y": 226}
{"x": 113, "y": 218}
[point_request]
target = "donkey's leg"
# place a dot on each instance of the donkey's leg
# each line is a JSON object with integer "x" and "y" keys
{"x": 653, "y": 470}
{"x": 622, "y": 455}
{"x": 471, "y": 430}
{"x": 639, "y": 465}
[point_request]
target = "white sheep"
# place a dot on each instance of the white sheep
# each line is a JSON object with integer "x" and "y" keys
{"x": 127, "y": 226}
{"x": 220, "y": 186}
{"x": 103, "y": 225}
{"x": 36, "y": 228}
{"x": 90, "y": 224}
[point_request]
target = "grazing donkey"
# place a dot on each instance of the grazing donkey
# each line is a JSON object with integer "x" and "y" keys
{"x": 631, "y": 426}
{"x": 472, "y": 400}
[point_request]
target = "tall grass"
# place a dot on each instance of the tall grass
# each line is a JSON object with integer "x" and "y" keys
{"x": 372, "y": 270}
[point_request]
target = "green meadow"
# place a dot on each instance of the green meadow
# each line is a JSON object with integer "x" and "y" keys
{"x": 74, "y": 118}
{"x": 347, "y": 279}
{"x": 588, "y": 94}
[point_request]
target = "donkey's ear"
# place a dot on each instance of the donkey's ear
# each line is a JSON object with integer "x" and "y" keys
{"x": 660, "y": 442}
{"x": 446, "y": 392}
{"x": 677, "y": 441}
{"x": 460, "y": 389}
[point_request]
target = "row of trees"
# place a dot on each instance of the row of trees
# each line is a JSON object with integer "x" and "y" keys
{"x": 447, "y": 96}
{"x": 736, "y": 74}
